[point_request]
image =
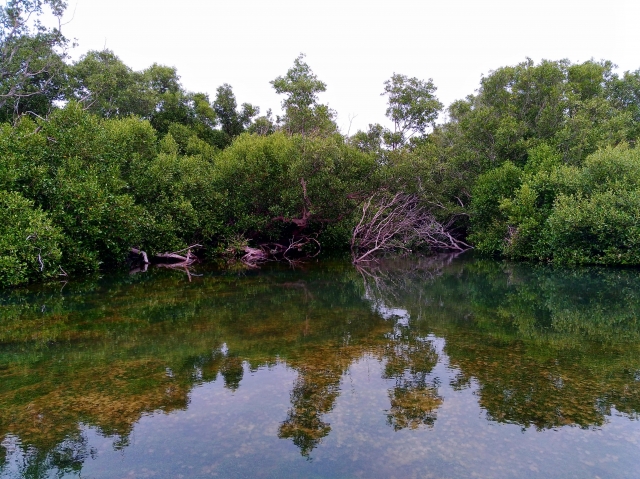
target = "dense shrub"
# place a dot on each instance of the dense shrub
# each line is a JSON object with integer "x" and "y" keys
{"x": 600, "y": 223}
{"x": 252, "y": 177}
{"x": 110, "y": 184}
{"x": 559, "y": 213}
{"x": 29, "y": 243}
{"x": 260, "y": 181}
{"x": 601, "y": 229}
{"x": 99, "y": 222}
{"x": 489, "y": 222}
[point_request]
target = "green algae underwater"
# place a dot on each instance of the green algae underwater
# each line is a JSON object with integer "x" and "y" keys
{"x": 439, "y": 367}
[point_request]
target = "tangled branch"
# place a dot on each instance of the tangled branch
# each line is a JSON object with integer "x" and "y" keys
{"x": 398, "y": 223}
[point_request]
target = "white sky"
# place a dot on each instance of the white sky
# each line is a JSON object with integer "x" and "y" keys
{"x": 352, "y": 45}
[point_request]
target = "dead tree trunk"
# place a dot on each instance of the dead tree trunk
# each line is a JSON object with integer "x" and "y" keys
{"x": 171, "y": 259}
{"x": 141, "y": 254}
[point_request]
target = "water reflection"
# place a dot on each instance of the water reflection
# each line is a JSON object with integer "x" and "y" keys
{"x": 536, "y": 347}
{"x": 314, "y": 394}
{"x": 414, "y": 398}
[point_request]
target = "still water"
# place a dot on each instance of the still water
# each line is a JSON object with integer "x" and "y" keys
{"x": 430, "y": 367}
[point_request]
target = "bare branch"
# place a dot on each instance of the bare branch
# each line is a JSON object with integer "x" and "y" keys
{"x": 398, "y": 223}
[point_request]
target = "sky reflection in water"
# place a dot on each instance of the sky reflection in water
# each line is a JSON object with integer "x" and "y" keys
{"x": 433, "y": 368}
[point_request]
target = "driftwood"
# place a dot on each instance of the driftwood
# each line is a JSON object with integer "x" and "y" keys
{"x": 178, "y": 260}
{"x": 254, "y": 256}
{"x": 397, "y": 223}
{"x": 168, "y": 258}
{"x": 139, "y": 269}
{"x": 172, "y": 260}
{"x": 142, "y": 254}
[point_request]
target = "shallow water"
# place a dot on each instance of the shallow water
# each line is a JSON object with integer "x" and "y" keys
{"x": 430, "y": 367}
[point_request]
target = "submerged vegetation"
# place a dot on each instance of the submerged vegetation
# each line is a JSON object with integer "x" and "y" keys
{"x": 541, "y": 348}
{"x": 96, "y": 158}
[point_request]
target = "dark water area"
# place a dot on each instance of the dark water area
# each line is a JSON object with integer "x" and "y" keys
{"x": 424, "y": 367}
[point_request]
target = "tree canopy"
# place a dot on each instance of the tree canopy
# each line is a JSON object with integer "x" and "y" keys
{"x": 413, "y": 107}
{"x": 303, "y": 113}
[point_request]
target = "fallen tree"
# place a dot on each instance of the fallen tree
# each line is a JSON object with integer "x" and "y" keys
{"x": 173, "y": 260}
{"x": 400, "y": 222}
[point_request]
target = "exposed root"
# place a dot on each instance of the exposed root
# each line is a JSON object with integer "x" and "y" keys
{"x": 298, "y": 249}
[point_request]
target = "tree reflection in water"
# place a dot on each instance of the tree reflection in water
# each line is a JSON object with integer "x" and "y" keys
{"x": 414, "y": 398}
{"x": 542, "y": 348}
{"x": 314, "y": 394}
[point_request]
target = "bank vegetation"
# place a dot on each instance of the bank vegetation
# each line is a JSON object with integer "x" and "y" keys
{"x": 98, "y": 160}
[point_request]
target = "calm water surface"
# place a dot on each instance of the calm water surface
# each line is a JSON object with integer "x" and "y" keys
{"x": 430, "y": 367}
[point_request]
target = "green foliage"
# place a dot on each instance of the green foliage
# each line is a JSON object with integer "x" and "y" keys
{"x": 99, "y": 222}
{"x": 598, "y": 222}
{"x": 369, "y": 141}
{"x": 251, "y": 175}
{"x": 263, "y": 125}
{"x": 489, "y": 223}
{"x": 303, "y": 113}
{"x": 539, "y": 164}
{"x": 612, "y": 168}
{"x": 624, "y": 94}
{"x": 72, "y": 166}
{"x": 412, "y": 107}
{"x": 232, "y": 120}
{"x": 335, "y": 173}
{"x": 601, "y": 229}
{"x": 109, "y": 88}
{"x": 569, "y": 107}
{"x": 179, "y": 193}
{"x": 108, "y": 185}
{"x": 565, "y": 127}
{"x": 29, "y": 243}
{"x": 260, "y": 178}
{"x": 559, "y": 213}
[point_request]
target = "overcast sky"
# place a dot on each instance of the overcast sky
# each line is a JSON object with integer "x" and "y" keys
{"x": 352, "y": 45}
